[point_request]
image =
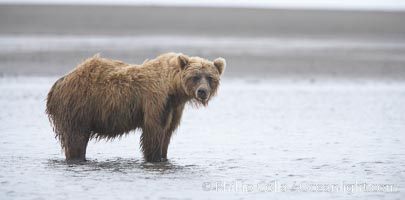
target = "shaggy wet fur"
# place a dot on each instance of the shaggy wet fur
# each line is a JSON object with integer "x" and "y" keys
{"x": 105, "y": 99}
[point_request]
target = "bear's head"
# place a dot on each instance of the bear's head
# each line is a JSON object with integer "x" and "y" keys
{"x": 200, "y": 77}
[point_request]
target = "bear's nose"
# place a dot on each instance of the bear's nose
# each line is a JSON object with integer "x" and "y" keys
{"x": 202, "y": 93}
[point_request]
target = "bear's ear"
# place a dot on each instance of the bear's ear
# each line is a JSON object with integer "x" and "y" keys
{"x": 220, "y": 65}
{"x": 183, "y": 61}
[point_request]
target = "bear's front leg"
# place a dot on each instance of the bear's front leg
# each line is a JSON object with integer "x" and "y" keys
{"x": 152, "y": 138}
{"x": 172, "y": 126}
{"x": 156, "y": 109}
{"x": 151, "y": 146}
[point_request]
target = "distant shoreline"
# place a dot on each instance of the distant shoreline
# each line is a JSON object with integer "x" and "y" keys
{"x": 380, "y": 5}
{"x": 200, "y": 21}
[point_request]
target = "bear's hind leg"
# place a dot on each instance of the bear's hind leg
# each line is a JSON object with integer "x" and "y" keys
{"x": 75, "y": 147}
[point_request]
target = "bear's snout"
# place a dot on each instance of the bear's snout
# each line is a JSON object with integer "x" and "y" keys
{"x": 202, "y": 93}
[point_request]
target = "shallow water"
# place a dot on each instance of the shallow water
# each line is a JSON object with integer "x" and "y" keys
{"x": 259, "y": 139}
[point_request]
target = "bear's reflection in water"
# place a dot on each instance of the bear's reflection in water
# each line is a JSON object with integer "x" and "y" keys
{"x": 121, "y": 165}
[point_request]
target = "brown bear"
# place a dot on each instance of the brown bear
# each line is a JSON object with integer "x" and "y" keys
{"x": 103, "y": 98}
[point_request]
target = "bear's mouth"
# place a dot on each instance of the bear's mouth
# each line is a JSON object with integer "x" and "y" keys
{"x": 204, "y": 102}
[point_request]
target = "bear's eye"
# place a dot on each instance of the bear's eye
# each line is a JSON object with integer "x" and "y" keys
{"x": 209, "y": 78}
